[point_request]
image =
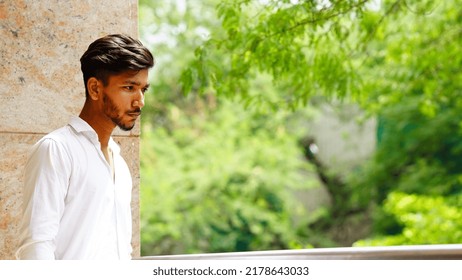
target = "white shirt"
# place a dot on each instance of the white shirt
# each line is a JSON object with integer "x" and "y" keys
{"x": 73, "y": 207}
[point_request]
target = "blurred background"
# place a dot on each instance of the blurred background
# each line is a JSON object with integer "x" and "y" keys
{"x": 287, "y": 124}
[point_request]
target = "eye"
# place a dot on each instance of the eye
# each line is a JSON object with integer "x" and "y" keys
{"x": 129, "y": 88}
{"x": 145, "y": 89}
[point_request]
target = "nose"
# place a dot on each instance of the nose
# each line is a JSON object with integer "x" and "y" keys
{"x": 139, "y": 100}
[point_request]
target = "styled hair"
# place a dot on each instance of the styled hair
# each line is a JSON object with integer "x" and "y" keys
{"x": 114, "y": 54}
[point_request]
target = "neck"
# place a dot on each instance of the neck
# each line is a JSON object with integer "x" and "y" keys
{"x": 102, "y": 125}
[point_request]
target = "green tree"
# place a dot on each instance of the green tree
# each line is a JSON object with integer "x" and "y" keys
{"x": 309, "y": 48}
{"x": 214, "y": 176}
{"x": 424, "y": 220}
{"x": 220, "y": 181}
{"x": 414, "y": 86}
{"x": 373, "y": 51}
{"x": 173, "y": 29}
{"x": 398, "y": 59}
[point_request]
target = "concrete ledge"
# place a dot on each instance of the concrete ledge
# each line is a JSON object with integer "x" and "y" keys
{"x": 414, "y": 252}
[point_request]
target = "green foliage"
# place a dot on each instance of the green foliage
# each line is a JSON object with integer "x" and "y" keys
{"x": 172, "y": 29}
{"x": 221, "y": 180}
{"x": 417, "y": 155}
{"x": 413, "y": 86}
{"x": 425, "y": 220}
{"x": 374, "y": 54}
{"x": 305, "y": 47}
{"x": 213, "y": 178}
{"x": 415, "y": 53}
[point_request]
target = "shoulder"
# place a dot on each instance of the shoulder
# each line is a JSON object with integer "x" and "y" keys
{"x": 60, "y": 135}
{"x": 57, "y": 141}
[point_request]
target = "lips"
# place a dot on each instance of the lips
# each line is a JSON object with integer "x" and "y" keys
{"x": 134, "y": 113}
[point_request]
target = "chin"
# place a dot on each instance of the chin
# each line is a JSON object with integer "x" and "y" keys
{"x": 126, "y": 128}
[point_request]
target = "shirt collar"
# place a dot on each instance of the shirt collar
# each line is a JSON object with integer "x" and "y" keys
{"x": 81, "y": 126}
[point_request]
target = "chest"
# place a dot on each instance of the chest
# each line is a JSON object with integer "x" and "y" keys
{"x": 94, "y": 180}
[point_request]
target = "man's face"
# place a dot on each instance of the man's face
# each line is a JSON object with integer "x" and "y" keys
{"x": 123, "y": 97}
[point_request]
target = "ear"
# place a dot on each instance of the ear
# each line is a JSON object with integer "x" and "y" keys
{"x": 94, "y": 90}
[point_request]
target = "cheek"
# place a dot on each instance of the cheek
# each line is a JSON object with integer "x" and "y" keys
{"x": 118, "y": 102}
{"x": 110, "y": 105}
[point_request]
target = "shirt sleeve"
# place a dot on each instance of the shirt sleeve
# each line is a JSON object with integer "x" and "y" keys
{"x": 46, "y": 180}
{"x": 37, "y": 251}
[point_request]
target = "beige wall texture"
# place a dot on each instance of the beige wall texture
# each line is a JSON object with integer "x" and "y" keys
{"x": 41, "y": 42}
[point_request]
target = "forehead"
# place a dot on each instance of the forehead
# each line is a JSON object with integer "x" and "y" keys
{"x": 132, "y": 77}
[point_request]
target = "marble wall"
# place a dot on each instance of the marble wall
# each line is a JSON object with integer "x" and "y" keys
{"x": 41, "y": 42}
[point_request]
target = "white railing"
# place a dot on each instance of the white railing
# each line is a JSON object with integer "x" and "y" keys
{"x": 414, "y": 252}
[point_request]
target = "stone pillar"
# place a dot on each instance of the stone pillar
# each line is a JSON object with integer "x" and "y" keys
{"x": 41, "y": 42}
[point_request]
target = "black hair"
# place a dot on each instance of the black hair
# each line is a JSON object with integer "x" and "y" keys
{"x": 113, "y": 54}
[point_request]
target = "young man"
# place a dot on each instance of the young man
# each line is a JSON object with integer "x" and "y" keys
{"x": 77, "y": 189}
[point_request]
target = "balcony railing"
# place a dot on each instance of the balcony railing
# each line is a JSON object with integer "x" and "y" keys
{"x": 414, "y": 252}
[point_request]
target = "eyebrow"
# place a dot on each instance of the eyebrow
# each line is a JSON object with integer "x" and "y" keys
{"x": 131, "y": 82}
